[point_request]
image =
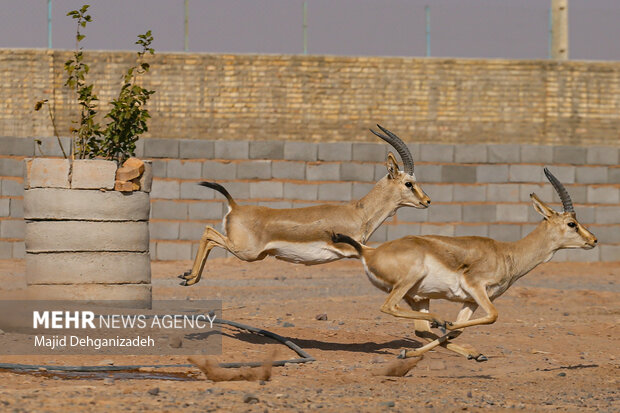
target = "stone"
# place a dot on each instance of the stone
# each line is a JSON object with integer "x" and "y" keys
{"x": 47, "y": 173}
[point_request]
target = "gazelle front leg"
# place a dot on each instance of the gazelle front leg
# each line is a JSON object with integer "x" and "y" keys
{"x": 210, "y": 238}
{"x": 479, "y": 294}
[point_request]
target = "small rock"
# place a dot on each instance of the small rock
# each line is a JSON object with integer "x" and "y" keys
{"x": 469, "y": 394}
{"x": 321, "y": 317}
{"x": 108, "y": 381}
{"x": 562, "y": 374}
{"x": 106, "y": 362}
{"x": 42, "y": 369}
{"x": 340, "y": 323}
{"x": 387, "y": 404}
{"x": 250, "y": 398}
{"x": 281, "y": 396}
{"x": 154, "y": 391}
{"x": 287, "y": 324}
{"x": 1, "y": 332}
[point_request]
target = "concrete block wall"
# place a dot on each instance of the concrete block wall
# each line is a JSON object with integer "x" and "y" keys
{"x": 476, "y": 189}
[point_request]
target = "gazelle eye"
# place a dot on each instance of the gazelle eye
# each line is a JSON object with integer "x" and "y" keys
{"x": 408, "y": 184}
{"x": 572, "y": 224}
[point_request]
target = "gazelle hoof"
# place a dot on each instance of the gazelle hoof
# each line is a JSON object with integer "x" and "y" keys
{"x": 185, "y": 275}
{"x": 402, "y": 355}
{"x": 481, "y": 358}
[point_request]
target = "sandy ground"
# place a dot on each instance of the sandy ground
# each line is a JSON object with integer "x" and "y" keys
{"x": 555, "y": 346}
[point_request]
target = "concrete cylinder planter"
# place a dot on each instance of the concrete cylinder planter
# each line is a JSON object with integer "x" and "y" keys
{"x": 84, "y": 240}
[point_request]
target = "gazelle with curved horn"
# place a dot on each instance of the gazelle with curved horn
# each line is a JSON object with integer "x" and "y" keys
{"x": 303, "y": 235}
{"x": 471, "y": 270}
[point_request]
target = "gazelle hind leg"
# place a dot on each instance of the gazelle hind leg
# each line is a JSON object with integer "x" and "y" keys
{"x": 210, "y": 239}
{"x": 396, "y": 295}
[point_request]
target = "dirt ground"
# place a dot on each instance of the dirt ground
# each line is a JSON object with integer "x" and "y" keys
{"x": 555, "y": 346}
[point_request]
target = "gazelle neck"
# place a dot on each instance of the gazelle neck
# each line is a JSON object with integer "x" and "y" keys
{"x": 375, "y": 207}
{"x": 535, "y": 248}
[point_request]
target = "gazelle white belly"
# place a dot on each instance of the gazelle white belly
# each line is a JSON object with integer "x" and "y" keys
{"x": 303, "y": 253}
{"x": 441, "y": 282}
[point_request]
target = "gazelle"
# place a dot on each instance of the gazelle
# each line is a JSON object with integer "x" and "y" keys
{"x": 303, "y": 235}
{"x": 471, "y": 270}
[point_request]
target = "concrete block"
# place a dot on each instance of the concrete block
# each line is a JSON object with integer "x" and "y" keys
{"x": 409, "y": 214}
{"x": 543, "y": 191}
{"x": 5, "y": 207}
{"x": 445, "y": 213}
{"x": 164, "y": 230}
{"x": 479, "y": 213}
{"x": 360, "y": 190}
{"x": 191, "y": 190}
{"x": 430, "y": 152}
{"x": 288, "y": 170}
{"x": 469, "y": 193}
{"x": 12, "y": 228}
{"x": 608, "y": 252}
{"x": 161, "y": 148}
{"x": 266, "y": 150}
{"x": 16, "y": 208}
{"x": 426, "y": 173}
{"x": 301, "y": 191}
{"x": 586, "y": 214}
{"x": 232, "y": 150}
{"x": 6, "y": 250}
{"x": 492, "y": 173}
{"x": 526, "y": 229}
{"x": 266, "y": 189}
{"x": 458, "y": 173}
{"x": 49, "y": 146}
{"x": 380, "y": 172}
{"x": 578, "y": 193}
{"x": 238, "y": 190}
{"x": 380, "y": 235}
{"x": 92, "y": 205}
{"x": 370, "y": 152}
{"x": 166, "y": 189}
{"x": 525, "y": 173}
{"x": 11, "y": 167}
{"x": 335, "y": 151}
{"x": 566, "y": 174}
{"x": 429, "y": 229}
{"x": 512, "y": 212}
{"x": 260, "y": 169}
{"x": 363, "y": 172}
{"x": 502, "y": 192}
{"x": 602, "y": 155}
{"x": 93, "y": 174}
{"x": 139, "y": 152}
{"x": 215, "y": 171}
{"x": 207, "y": 210}
{"x": 591, "y": 174}
{"x": 613, "y": 175}
{"x": 300, "y": 151}
{"x": 276, "y": 204}
{"x": 504, "y": 153}
{"x": 401, "y": 230}
{"x": 473, "y": 153}
{"x": 541, "y": 154}
{"x": 76, "y": 236}
{"x": 16, "y": 146}
{"x": 574, "y": 155}
{"x": 196, "y": 149}
{"x": 146, "y": 180}
{"x": 602, "y": 195}
{"x": 132, "y": 295}
{"x": 505, "y": 232}
{"x": 160, "y": 168}
{"x": 88, "y": 268}
{"x": 606, "y": 234}
{"x": 184, "y": 169}
{"x": 581, "y": 255}
{"x": 335, "y": 192}
{"x": 174, "y": 251}
{"x": 19, "y": 250}
{"x": 169, "y": 210}
{"x": 191, "y": 230}
{"x": 47, "y": 173}
{"x": 471, "y": 230}
{"x": 439, "y": 193}
{"x": 323, "y": 172}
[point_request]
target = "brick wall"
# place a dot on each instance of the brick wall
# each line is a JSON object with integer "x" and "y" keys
{"x": 333, "y": 98}
{"x": 476, "y": 189}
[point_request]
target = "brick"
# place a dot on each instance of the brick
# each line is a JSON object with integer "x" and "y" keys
{"x": 300, "y": 151}
{"x": 184, "y": 169}
{"x": 370, "y": 152}
{"x": 380, "y": 235}
{"x": 165, "y": 189}
{"x": 544, "y": 191}
{"x": 540, "y": 154}
{"x": 444, "y": 213}
{"x": 602, "y": 195}
{"x": 238, "y": 190}
{"x": 191, "y": 190}
{"x": 17, "y": 208}
{"x": 591, "y": 175}
{"x": 505, "y": 232}
{"x": 254, "y": 170}
{"x": 266, "y": 189}
{"x": 613, "y": 175}
{"x": 12, "y": 228}
{"x": 160, "y": 168}
{"x": 323, "y": 172}
{"x": 93, "y": 174}
{"x": 479, "y": 213}
{"x": 409, "y": 214}
{"x": 458, "y": 173}
{"x": 445, "y": 230}
{"x": 471, "y": 230}
{"x": 430, "y": 152}
{"x": 11, "y": 167}
{"x": 266, "y": 150}
{"x": 469, "y": 193}
{"x": 164, "y": 230}
{"x": 502, "y": 192}
{"x": 19, "y": 250}
{"x": 512, "y": 212}
{"x": 607, "y": 234}
{"x": 473, "y": 153}
{"x": 602, "y": 155}
{"x": 565, "y": 174}
{"x": 402, "y": 230}
{"x": 168, "y": 210}
{"x": 213, "y": 170}
{"x": 524, "y": 173}
{"x": 288, "y": 170}
{"x": 357, "y": 172}
{"x": 161, "y": 148}
{"x": 191, "y": 230}
{"x": 608, "y": 252}
{"x": 47, "y": 173}
{"x": 504, "y": 153}
{"x": 206, "y": 210}
{"x": 196, "y": 149}
{"x": 492, "y": 173}
{"x": 174, "y": 251}
{"x": 360, "y": 190}
{"x": 49, "y": 146}
{"x": 335, "y": 151}
{"x": 427, "y": 173}
{"x": 439, "y": 193}
{"x": 335, "y": 192}
{"x": 301, "y": 191}
{"x": 5, "y": 207}
{"x": 6, "y": 250}
{"x": 569, "y": 154}
{"x": 232, "y": 149}
{"x": 17, "y": 146}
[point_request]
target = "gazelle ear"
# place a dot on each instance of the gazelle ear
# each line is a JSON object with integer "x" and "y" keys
{"x": 392, "y": 166}
{"x": 542, "y": 208}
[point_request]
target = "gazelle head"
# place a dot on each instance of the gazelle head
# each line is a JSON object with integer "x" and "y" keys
{"x": 402, "y": 183}
{"x": 563, "y": 226}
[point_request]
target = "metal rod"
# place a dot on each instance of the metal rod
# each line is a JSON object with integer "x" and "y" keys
{"x": 305, "y": 26}
{"x": 559, "y": 29}
{"x": 186, "y": 42}
{"x": 49, "y": 24}
{"x": 427, "y": 11}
